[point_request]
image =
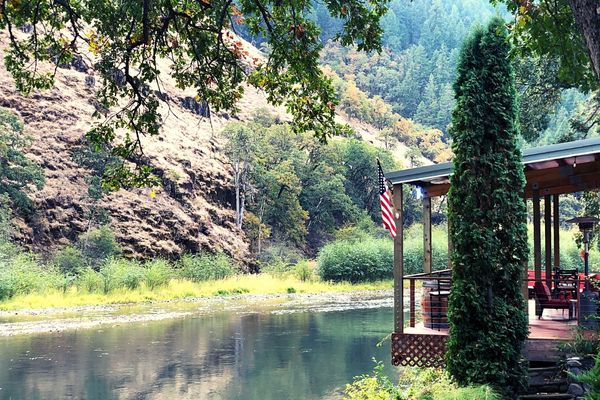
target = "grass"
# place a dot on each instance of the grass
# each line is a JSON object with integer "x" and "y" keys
{"x": 180, "y": 289}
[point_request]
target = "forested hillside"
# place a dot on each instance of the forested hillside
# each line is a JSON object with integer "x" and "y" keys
{"x": 298, "y": 189}
{"x": 247, "y": 182}
{"x": 415, "y": 72}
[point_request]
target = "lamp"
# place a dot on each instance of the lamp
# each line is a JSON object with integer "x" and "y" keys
{"x": 588, "y": 300}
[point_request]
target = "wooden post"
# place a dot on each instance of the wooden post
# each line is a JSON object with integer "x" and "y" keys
{"x": 427, "y": 235}
{"x": 525, "y": 284}
{"x": 537, "y": 240}
{"x": 548, "y": 239}
{"x": 398, "y": 260}
{"x": 556, "y": 221}
{"x": 450, "y": 246}
{"x": 412, "y": 304}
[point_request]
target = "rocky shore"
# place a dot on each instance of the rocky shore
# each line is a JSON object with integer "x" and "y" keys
{"x": 36, "y": 321}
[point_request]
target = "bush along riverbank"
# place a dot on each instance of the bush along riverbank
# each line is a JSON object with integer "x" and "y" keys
{"x": 414, "y": 384}
{"x": 92, "y": 272}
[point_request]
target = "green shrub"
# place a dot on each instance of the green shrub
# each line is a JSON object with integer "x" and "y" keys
{"x": 367, "y": 388}
{"x": 9, "y": 251}
{"x": 30, "y": 276}
{"x": 364, "y": 228}
{"x": 304, "y": 271}
{"x": 413, "y": 249}
{"x": 414, "y": 384}
{"x": 90, "y": 280}
{"x": 276, "y": 252}
{"x": 69, "y": 260}
{"x": 277, "y": 267}
{"x": 98, "y": 245}
{"x": 204, "y": 266}
{"x": 121, "y": 273}
{"x": 132, "y": 278}
{"x": 592, "y": 379}
{"x": 8, "y": 286}
{"x": 436, "y": 384}
{"x": 157, "y": 273}
{"x": 356, "y": 261}
{"x": 23, "y": 275}
{"x": 581, "y": 344}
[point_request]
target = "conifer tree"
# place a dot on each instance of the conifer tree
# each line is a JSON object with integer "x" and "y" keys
{"x": 428, "y": 108}
{"x": 487, "y": 213}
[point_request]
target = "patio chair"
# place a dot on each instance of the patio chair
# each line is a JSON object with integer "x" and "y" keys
{"x": 566, "y": 282}
{"x": 545, "y": 300}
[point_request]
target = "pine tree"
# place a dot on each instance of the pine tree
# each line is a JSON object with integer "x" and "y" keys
{"x": 487, "y": 214}
{"x": 445, "y": 106}
{"x": 428, "y": 108}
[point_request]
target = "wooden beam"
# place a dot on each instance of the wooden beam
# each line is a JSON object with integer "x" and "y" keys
{"x": 570, "y": 184}
{"x": 537, "y": 256}
{"x": 548, "y": 239}
{"x": 561, "y": 175}
{"x": 542, "y": 175}
{"x": 556, "y": 223}
{"x": 436, "y": 190}
{"x": 427, "y": 234}
{"x": 398, "y": 260}
{"x": 567, "y": 188}
{"x": 545, "y": 178}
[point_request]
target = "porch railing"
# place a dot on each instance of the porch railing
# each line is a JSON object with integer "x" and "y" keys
{"x": 441, "y": 276}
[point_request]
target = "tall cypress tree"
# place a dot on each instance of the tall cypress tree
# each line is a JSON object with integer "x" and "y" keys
{"x": 487, "y": 212}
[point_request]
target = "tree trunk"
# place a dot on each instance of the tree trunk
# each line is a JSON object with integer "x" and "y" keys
{"x": 237, "y": 183}
{"x": 587, "y": 17}
{"x": 260, "y": 217}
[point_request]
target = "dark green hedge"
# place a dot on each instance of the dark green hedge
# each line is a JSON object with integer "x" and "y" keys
{"x": 356, "y": 261}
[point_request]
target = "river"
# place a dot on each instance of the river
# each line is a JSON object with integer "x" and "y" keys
{"x": 278, "y": 352}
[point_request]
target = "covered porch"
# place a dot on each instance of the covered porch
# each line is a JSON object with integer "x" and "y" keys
{"x": 420, "y": 300}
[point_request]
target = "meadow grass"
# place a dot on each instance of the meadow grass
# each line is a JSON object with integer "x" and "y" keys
{"x": 180, "y": 289}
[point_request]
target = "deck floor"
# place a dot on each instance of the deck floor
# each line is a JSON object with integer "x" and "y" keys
{"x": 553, "y": 325}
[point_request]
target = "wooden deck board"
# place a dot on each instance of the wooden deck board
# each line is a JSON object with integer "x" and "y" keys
{"x": 553, "y": 326}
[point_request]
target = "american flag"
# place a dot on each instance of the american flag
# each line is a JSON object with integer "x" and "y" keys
{"x": 387, "y": 213}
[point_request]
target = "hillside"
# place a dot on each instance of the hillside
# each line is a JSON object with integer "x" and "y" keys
{"x": 193, "y": 209}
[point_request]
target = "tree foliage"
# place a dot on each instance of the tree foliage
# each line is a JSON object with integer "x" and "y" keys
{"x": 18, "y": 174}
{"x": 554, "y": 29}
{"x": 126, "y": 42}
{"x": 298, "y": 190}
{"x": 488, "y": 219}
{"x": 416, "y": 68}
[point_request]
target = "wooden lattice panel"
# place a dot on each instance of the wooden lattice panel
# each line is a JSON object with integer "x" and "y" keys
{"x": 417, "y": 350}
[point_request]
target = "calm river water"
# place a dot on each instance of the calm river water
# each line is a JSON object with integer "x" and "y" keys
{"x": 274, "y": 354}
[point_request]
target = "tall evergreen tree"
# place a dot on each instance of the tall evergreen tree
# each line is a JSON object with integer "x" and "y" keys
{"x": 429, "y": 107}
{"x": 488, "y": 324}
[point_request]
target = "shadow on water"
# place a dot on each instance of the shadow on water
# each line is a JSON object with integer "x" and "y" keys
{"x": 228, "y": 355}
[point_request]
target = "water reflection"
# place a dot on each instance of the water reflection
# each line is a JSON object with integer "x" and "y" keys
{"x": 302, "y": 355}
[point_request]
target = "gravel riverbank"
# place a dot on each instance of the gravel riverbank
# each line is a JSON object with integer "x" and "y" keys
{"x": 34, "y": 321}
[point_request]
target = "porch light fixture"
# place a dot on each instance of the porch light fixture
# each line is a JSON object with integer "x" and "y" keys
{"x": 588, "y": 304}
{"x": 586, "y": 224}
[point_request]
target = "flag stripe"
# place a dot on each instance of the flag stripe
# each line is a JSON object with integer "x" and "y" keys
{"x": 387, "y": 213}
{"x": 390, "y": 223}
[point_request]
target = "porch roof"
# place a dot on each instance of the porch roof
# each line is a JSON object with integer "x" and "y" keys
{"x": 557, "y": 166}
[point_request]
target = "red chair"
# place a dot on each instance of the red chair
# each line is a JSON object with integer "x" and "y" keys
{"x": 545, "y": 300}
